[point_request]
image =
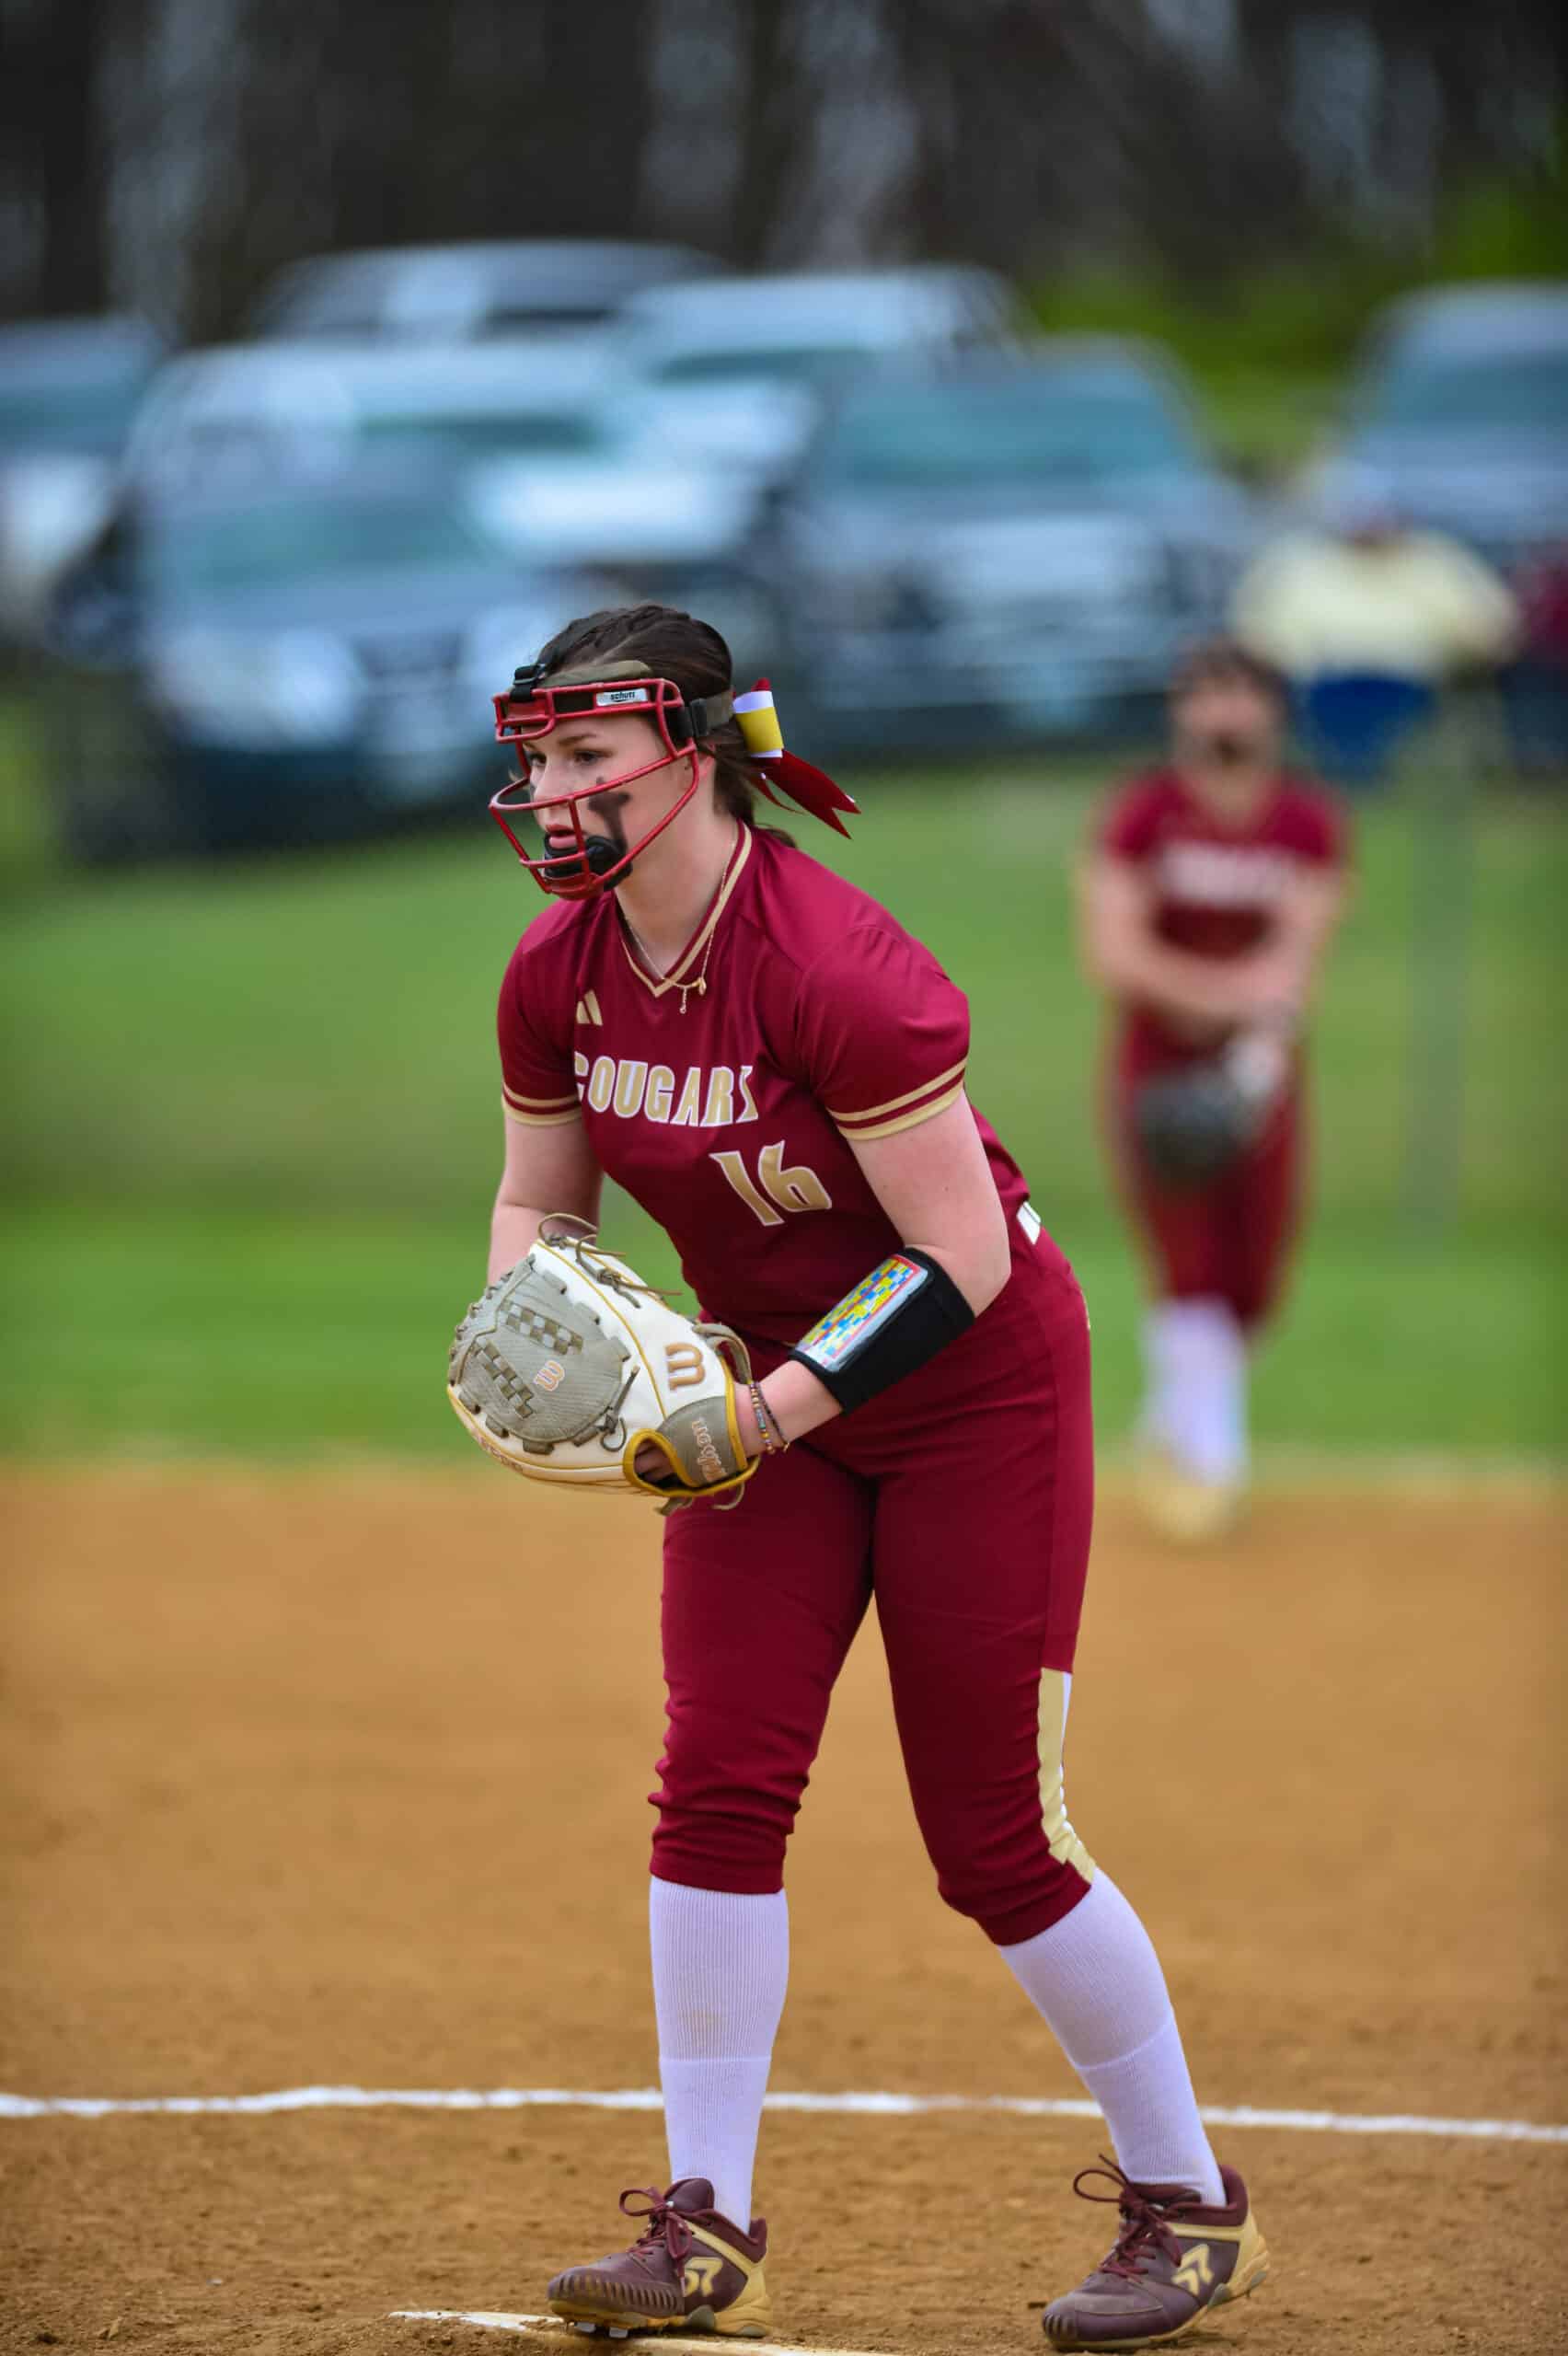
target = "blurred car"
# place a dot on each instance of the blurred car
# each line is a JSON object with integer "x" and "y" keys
{"x": 735, "y": 371}
{"x": 1002, "y": 547}
{"x": 285, "y": 664}
{"x": 223, "y": 413}
{"x": 1459, "y": 414}
{"x": 523, "y": 287}
{"x": 563, "y": 476}
{"x": 68, "y": 389}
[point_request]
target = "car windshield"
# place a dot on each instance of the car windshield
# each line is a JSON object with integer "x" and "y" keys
{"x": 484, "y": 434}
{"x": 954, "y": 437}
{"x": 41, "y": 414}
{"x": 197, "y": 555}
{"x": 794, "y": 363}
{"x": 1495, "y": 392}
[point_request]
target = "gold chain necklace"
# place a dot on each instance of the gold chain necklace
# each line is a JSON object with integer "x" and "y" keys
{"x": 686, "y": 989}
{"x": 700, "y": 984}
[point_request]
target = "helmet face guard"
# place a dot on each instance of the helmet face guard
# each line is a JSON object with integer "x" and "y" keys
{"x": 528, "y": 710}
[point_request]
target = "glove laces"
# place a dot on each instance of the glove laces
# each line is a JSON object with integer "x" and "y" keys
{"x": 1146, "y": 2223}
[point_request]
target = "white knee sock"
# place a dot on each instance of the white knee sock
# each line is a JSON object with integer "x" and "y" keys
{"x": 1097, "y": 1980}
{"x": 1196, "y": 1354}
{"x": 720, "y": 1966}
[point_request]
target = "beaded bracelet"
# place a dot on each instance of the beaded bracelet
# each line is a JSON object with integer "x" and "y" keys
{"x": 768, "y": 1429}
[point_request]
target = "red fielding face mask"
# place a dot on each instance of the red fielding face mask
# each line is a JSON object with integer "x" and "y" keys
{"x": 528, "y": 712}
{"x": 593, "y": 863}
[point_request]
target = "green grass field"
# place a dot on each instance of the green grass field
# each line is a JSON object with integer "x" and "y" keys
{"x": 256, "y": 1129}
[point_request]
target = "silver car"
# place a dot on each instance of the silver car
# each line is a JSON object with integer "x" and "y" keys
{"x": 1005, "y": 548}
{"x": 733, "y": 374}
{"x": 523, "y": 287}
{"x": 1459, "y": 414}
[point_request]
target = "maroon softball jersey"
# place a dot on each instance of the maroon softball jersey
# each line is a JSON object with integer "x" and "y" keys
{"x": 1215, "y": 888}
{"x": 726, "y": 1098}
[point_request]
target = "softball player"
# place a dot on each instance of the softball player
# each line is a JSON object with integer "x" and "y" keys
{"x": 1215, "y": 884}
{"x": 774, "y": 1068}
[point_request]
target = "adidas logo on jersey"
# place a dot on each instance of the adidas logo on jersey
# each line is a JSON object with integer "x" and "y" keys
{"x": 588, "y": 1007}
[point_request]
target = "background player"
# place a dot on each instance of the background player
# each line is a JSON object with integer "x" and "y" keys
{"x": 762, "y": 1056}
{"x": 1213, "y": 886}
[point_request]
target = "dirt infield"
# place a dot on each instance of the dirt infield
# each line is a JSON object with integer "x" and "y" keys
{"x": 340, "y": 1781}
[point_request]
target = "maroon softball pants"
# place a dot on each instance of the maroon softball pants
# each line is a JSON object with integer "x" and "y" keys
{"x": 962, "y": 1498}
{"x": 1230, "y": 1240}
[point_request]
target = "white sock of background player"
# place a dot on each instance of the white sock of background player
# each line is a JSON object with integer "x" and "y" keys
{"x": 1196, "y": 1357}
{"x": 721, "y": 1963}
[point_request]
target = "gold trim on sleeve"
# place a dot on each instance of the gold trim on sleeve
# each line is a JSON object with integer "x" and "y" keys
{"x": 896, "y": 1104}
{"x": 903, "y": 1121}
{"x": 521, "y": 1103}
{"x": 540, "y": 1120}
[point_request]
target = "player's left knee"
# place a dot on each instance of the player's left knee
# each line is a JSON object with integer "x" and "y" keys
{"x": 1019, "y": 1905}
{"x": 1016, "y": 1887}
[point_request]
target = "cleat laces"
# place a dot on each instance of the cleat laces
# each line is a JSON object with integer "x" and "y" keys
{"x": 665, "y": 2228}
{"x": 1146, "y": 2226}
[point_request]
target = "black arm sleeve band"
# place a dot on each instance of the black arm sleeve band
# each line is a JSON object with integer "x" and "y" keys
{"x": 895, "y": 1319}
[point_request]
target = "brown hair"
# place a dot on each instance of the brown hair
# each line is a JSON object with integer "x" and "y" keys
{"x": 1225, "y": 661}
{"x": 668, "y": 644}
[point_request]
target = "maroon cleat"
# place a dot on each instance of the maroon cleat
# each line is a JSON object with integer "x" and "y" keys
{"x": 689, "y": 2269}
{"x": 1174, "y": 2259}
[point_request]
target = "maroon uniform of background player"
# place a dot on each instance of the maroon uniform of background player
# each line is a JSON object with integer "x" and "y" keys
{"x": 1215, "y": 883}
{"x": 764, "y": 1058}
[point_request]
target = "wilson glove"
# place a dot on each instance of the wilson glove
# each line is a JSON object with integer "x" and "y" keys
{"x": 569, "y": 1363}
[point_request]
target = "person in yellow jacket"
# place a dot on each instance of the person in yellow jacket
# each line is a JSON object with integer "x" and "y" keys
{"x": 1368, "y": 617}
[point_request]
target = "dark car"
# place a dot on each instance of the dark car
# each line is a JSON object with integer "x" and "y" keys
{"x": 285, "y": 665}
{"x": 1004, "y": 547}
{"x": 1459, "y": 414}
{"x": 68, "y": 391}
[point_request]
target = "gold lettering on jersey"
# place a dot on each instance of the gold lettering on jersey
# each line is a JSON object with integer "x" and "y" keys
{"x": 719, "y": 1109}
{"x": 683, "y": 1365}
{"x": 708, "y": 1099}
{"x": 796, "y": 1188}
{"x": 630, "y": 1077}
{"x": 739, "y": 1177}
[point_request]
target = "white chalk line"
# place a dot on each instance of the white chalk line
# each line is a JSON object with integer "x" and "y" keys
{"x": 850, "y": 2106}
{"x": 490, "y": 2320}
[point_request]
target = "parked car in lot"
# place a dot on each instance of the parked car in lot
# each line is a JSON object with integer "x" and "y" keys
{"x": 285, "y": 664}
{"x": 564, "y": 475}
{"x": 222, "y": 412}
{"x": 68, "y": 389}
{"x": 1458, "y": 412}
{"x": 1004, "y": 547}
{"x": 735, "y": 370}
{"x": 521, "y": 287}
